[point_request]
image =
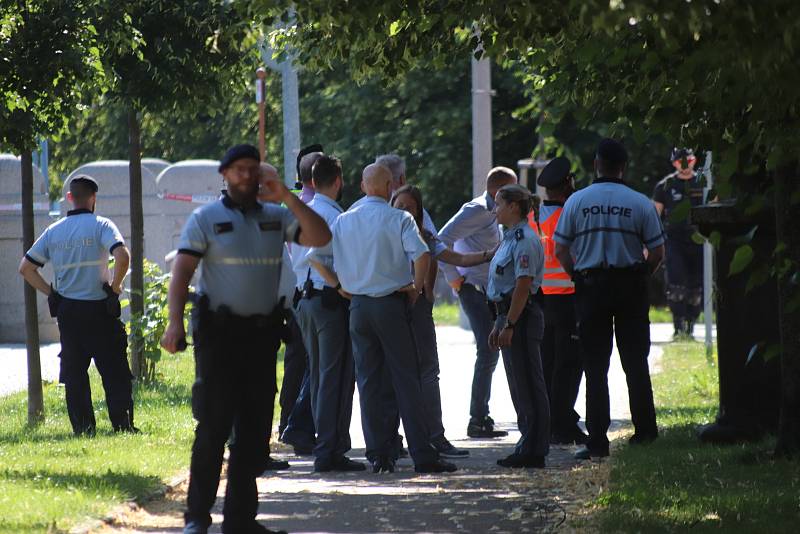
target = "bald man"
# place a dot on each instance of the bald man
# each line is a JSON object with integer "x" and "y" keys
{"x": 372, "y": 245}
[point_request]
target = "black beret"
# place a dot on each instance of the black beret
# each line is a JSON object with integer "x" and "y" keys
{"x": 680, "y": 153}
{"x": 238, "y": 152}
{"x": 85, "y": 178}
{"x": 555, "y": 173}
{"x": 612, "y": 151}
{"x": 306, "y": 159}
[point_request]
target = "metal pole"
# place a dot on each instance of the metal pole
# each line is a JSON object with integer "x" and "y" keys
{"x": 708, "y": 267}
{"x": 481, "y": 123}
{"x": 261, "y": 89}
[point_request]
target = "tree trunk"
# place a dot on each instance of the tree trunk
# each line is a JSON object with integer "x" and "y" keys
{"x": 787, "y": 214}
{"x": 35, "y": 398}
{"x": 137, "y": 235}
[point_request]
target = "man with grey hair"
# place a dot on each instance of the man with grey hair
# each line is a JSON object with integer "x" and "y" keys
{"x": 397, "y": 166}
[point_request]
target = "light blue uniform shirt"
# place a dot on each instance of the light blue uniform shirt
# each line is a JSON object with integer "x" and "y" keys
{"x": 328, "y": 209}
{"x": 608, "y": 224}
{"x": 372, "y": 243}
{"x": 520, "y": 254}
{"x": 78, "y": 247}
{"x": 241, "y": 253}
{"x": 473, "y": 229}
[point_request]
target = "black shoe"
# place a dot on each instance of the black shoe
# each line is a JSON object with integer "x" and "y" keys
{"x": 271, "y": 464}
{"x": 642, "y": 439}
{"x": 303, "y": 444}
{"x": 341, "y": 464}
{"x": 575, "y": 436}
{"x": 436, "y": 466}
{"x": 484, "y": 428}
{"x": 382, "y": 464}
{"x": 522, "y": 460}
{"x": 195, "y": 527}
{"x": 447, "y": 450}
{"x": 585, "y": 453}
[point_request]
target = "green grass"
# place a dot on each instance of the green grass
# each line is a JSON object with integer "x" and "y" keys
{"x": 51, "y": 481}
{"x": 677, "y": 483}
{"x": 445, "y": 314}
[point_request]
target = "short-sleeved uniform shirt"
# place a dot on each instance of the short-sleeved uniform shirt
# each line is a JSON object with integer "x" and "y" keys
{"x": 78, "y": 246}
{"x": 241, "y": 253}
{"x": 608, "y": 224}
{"x": 672, "y": 191}
{"x": 372, "y": 243}
{"x": 520, "y": 254}
{"x": 329, "y": 210}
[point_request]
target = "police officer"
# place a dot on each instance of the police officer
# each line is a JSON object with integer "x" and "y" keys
{"x": 515, "y": 276}
{"x": 561, "y": 356}
{"x": 409, "y": 198}
{"x": 474, "y": 229}
{"x": 324, "y": 320}
{"x": 86, "y": 306}
{"x": 600, "y": 239}
{"x": 684, "y": 257}
{"x": 296, "y": 426}
{"x": 372, "y": 244}
{"x": 236, "y": 330}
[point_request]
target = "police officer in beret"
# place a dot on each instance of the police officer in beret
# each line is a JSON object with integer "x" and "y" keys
{"x": 84, "y": 299}
{"x": 515, "y": 276}
{"x": 561, "y": 356}
{"x": 600, "y": 239}
{"x": 684, "y": 260}
{"x": 236, "y": 330}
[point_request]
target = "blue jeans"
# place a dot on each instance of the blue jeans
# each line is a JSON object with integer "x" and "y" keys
{"x": 474, "y": 304}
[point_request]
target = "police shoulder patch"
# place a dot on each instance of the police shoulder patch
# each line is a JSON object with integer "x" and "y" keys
{"x": 523, "y": 261}
{"x": 519, "y": 234}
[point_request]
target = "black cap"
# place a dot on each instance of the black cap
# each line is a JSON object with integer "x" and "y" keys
{"x": 612, "y": 152}
{"x": 555, "y": 173}
{"x": 238, "y": 152}
{"x": 306, "y": 159}
{"x": 680, "y": 153}
{"x": 87, "y": 179}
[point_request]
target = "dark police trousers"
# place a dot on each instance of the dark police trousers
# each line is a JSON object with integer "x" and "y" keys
{"x": 428, "y": 360}
{"x": 561, "y": 361}
{"x": 88, "y": 331}
{"x": 383, "y": 342}
{"x": 295, "y": 366}
{"x": 324, "y": 320}
{"x": 684, "y": 266}
{"x": 475, "y": 306}
{"x": 526, "y": 381}
{"x": 610, "y": 302}
{"x": 234, "y": 390}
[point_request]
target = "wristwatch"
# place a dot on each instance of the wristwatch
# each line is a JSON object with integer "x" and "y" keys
{"x": 509, "y": 325}
{"x": 338, "y": 286}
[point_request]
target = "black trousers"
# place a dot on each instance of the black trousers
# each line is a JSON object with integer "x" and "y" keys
{"x": 614, "y": 302}
{"x": 295, "y": 363}
{"x": 561, "y": 361}
{"x": 684, "y": 268}
{"x": 233, "y": 393}
{"x": 88, "y": 332}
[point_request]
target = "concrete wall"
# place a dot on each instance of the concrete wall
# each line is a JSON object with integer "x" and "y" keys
{"x": 155, "y": 165}
{"x": 198, "y": 178}
{"x": 12, "y": 300}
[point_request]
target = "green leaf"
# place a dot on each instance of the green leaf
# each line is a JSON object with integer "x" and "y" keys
{"x": 698, "y": 238}
{"x": 741, "y": 259}
{"x": 715, "y": 238}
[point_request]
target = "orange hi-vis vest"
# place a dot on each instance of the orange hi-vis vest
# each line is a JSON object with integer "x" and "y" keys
{"x": 555, "y": 281}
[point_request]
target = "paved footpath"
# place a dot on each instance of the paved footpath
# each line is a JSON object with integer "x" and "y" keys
{"x": 14, "y": 366}
{"x": 481, "y": 497}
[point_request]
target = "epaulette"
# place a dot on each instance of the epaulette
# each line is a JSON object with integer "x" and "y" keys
{"x": 519, "y": 235}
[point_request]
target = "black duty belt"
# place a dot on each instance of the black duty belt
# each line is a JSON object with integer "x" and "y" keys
{"x": 638, "y": 268}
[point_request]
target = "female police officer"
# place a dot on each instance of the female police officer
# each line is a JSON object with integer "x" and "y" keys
{"x": 515, "y": 276}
